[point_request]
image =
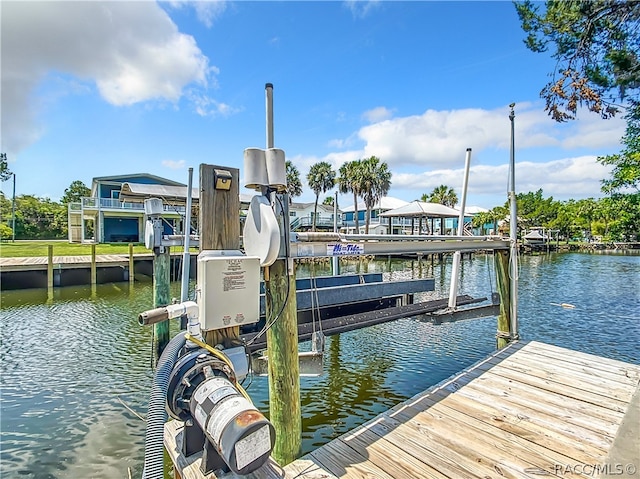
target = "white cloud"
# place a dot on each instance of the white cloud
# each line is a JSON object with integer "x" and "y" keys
{"x": 432, "y": 146}
{"x": 438, "y": 138}
{"x": 174, "y": 164}
{"x": 361, "y": 8}
{"x": 207, "y": 11}
{"x": 562, "y": 179}
{"x": 131, "y": 50}
{"x": 205, "y": 105}
{"x": 377, "y": 114}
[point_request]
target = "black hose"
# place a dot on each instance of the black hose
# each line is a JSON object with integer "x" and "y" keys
{"x": 156, "y": 413}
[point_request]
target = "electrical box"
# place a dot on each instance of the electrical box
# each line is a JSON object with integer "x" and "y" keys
{"x": 228, "y": 292}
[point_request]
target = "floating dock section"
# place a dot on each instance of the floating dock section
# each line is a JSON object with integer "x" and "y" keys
{"x": 529, "y": 410}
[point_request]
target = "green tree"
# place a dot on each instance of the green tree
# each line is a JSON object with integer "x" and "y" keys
{"x": 536, "y": 210}
{"x": 40, "y": 218}
{"x": 618, "y": 217}
{"x": 443, "y": 194}
{"x": 626, "y": 164}
{"x": 5, "y": 231}
{"x": 490, "y": 217}
{"x": 321, "y": 178}
{"x": 5, "y": 172}
{"x": 375, "y": 183}
{"x": 328, "y": 201}
{"x": 349, "y": 181}
{"x": 75, "y": 192}
{"x": 584, "y": 212}
{"x": 596, "y": 47}
{"x": 294, "y": 185}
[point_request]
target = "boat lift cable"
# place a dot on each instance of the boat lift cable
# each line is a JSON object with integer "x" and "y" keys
{"x": 317, "y": 337}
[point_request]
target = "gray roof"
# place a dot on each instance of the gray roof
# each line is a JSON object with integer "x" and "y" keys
{"x": 120, "y": 178}
{"x": 177, "y": 195}
{"x": 423, "y": 209}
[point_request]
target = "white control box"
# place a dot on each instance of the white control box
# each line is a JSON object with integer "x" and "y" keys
{"x": 228, "y": 292}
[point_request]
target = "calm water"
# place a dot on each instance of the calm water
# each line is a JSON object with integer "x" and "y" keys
{"x": 70, "y": 363}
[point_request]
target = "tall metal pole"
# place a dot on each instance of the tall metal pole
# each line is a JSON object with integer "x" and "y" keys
{"x": 513, "y": 232}
{"x": 455, "y": 269}
{"x": 269, "y": 108}
{"x": 335, "y": 261}
{"x": 13, "y": 211}
{"x": 186, "y": 257}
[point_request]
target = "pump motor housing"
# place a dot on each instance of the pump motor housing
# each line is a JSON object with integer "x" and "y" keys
{"x": 219, "y": 420}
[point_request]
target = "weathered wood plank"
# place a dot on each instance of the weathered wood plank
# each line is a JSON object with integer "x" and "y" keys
{"x": 538, "y": 456}
{"x": 344, "y": 462}
{"x": 619, "y": 369}
{"x": 563, "y": 378}
{"x": 548, "y": 385}
{"x": 394, "y": 460}
{"x": 588, "y": 415}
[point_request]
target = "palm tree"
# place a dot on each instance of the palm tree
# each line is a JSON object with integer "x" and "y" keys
{"x": 349, "y": 182}
{"x": 443, "y": 194}
{"x": 375, "y": 183}
{"x": 294, "y": 185}
{"x": 321, "y": 178}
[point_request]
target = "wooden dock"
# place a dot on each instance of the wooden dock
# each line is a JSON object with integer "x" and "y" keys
{"x": 527, "y": 411}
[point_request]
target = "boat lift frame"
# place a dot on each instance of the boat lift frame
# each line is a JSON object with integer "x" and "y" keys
{"x": 322, "y": 245}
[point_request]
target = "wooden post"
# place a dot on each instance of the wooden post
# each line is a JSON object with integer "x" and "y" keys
{"x": 501, "y": 262}
{"x": 219, "y": 220}
{"x": 282, "y": 346}
{"x": 94, "y": 272}
{"x": 50, "y": 267}
{"x": 282, "y": 337}
{"x": 161, "y": 296}
{"x": 131, "y": 264}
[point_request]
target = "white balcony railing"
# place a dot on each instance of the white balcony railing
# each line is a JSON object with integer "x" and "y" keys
{"x": 112, "y": 204}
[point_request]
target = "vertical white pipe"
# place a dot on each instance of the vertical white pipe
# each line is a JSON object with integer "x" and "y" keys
{"x": 269, "y": 99}
{"x": 13, "y": 213}
{"x": 455, "y": 269}
{"x": 335, "y": 261}
{"x": 513, "y": 232}
{"x": 186, "y": 256}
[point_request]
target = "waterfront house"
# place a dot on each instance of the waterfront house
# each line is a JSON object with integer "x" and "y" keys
{"x": 377, "y": 224}
{"x": 115, "y": 210}
{"x": 105, "y": 217}
{"x": 301, "y": 217}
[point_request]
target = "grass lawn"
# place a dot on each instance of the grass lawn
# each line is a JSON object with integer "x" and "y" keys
{"x": 64, "y": 248}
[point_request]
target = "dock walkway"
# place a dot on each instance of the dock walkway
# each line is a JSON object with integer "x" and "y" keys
{"x": 527, "y": 411}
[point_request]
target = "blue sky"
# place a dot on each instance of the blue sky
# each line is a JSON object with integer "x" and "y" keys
{"x": 97, "y": 88}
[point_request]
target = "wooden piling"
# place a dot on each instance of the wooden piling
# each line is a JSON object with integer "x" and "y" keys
{"x": 94, "y": 270}
{"x": 161, "y": 296}
{"x": 282, "y": 346}
{"x": 501, "y": 263}
{"x": 219, "y": 220}
{"x": 50, "y": 267}
{"x": 131, "y": 264}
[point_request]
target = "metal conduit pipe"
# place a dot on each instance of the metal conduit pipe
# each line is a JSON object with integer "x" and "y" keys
{"x": 156, "y": 413}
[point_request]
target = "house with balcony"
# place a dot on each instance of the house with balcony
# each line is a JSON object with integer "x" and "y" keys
{"x": 115, "y": 210}
{"x": 301, "y": 217}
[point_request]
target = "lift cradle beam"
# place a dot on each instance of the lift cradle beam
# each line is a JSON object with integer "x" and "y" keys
{"x": 318, "y": 245}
